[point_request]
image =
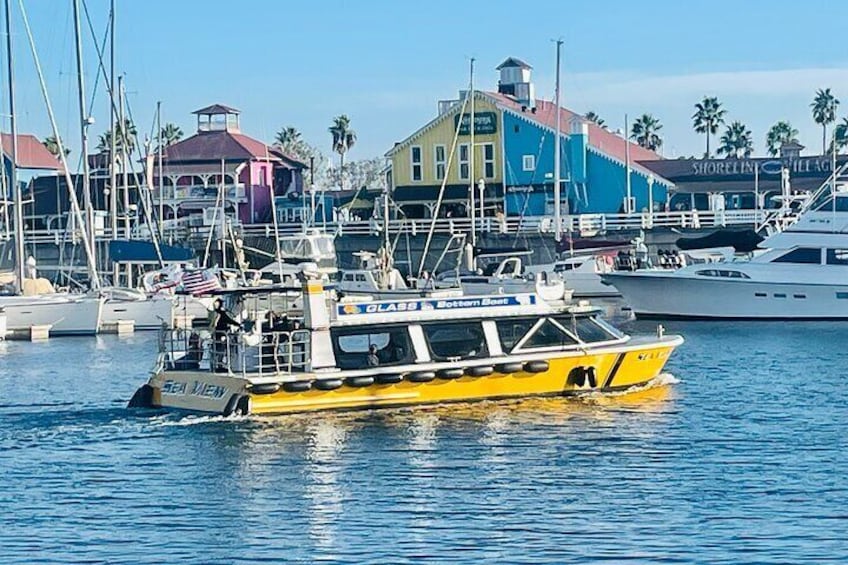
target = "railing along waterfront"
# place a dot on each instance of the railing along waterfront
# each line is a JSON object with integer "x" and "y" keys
{"x": 586, "y": 225}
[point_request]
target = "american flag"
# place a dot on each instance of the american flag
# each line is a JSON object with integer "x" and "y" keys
{"x": 199, "y": 282}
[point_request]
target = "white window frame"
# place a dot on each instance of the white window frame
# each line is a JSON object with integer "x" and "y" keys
{"x": 440, "y": 162}
{"x": 489, "y": 162}
{"x": 413, "y": 163}
{"x": 466, "y": 162}
{"x": 528, "y": 163}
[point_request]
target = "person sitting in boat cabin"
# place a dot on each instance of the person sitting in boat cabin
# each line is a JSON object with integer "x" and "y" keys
{"x": 373, "y": 360}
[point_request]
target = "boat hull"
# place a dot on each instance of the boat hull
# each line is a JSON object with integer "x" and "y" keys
{"x": 148, "y": 314}
{"x": 65, "y": 316}
{"x": 614, "y": 368}
{"x": 658, "y": 296}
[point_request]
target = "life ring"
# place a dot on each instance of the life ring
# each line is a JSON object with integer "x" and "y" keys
{"x": 536, "y": 366}
{"x": 483, "y": 371}
{"x": 508, "y": 368}
{"x": 389, "y": 379}
{"x": 327, "y": 384}
{"x": 450, "y": 373}
{"x": 359, "y": 381}
{"x": 297, "y": 386}
{"x": 265, "y": 388}
{"x": 421, "y": 377}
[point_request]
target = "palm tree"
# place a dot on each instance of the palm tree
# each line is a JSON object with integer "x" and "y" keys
{"x": 594, "y": 117}
{"x": 824, "y": 111}
{"x": 780, "y": 133}
{"x": 840, "y": 135}
{"x": 343, "y": 138}
{"x": 171, "y": 133}
{"x": 644, "y": 132}
{"x": 52, "y": 146}
{"x": 736, "y": 142}
{"x": 707, "y": 117}
{"x": 104, "y": 142}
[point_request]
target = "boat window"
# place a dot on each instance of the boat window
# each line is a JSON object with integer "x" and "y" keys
{"x": 548, "y": 335}
{"x": 828, "y": 205}
{"x": 586, "y": 328}
{"x": 722, "y": 273}
{"x": 837, "y": 256}
{"x": 455, "y": 340}
{"x": 511, "y": 330}
{"x": 351, "y": 345}
{"x": 805, "y": 255}
{"x": 348, "y": 277}
{"x": 360, "y": 277}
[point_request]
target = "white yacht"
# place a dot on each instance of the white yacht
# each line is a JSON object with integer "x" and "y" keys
{"x": 798, "y": 273}
{"x": 148, "y": 312}
{"x": 582, "y": 274}
{"x": 64, "y": 313}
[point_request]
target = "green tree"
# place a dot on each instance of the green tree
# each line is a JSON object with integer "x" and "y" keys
{"x": 104, "y": 142}
{"x": 840, "y": 135}
{"x": 594, "y": 117}
{"x": 736, "y": 141}
{"x": 291, "y": 142}
{"x": 343, "y": 138}
{"x": 780, "y": 133}
{"x": 708, "y": 116}
{"x": 644, "y": 132}
{"x": 52, "y": 146}
{"x": 171, "y": 133}
{"x": 824, "y": 111}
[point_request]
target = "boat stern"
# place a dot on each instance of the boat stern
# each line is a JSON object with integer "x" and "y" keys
{"x": 193, "y": 391}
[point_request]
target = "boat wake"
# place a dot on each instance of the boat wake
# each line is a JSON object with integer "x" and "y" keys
{"x": 661, "y": 380}
{"x": 193, "y": 420}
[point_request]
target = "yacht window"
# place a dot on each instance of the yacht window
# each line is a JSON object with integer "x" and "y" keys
{"x": 455, "y": 340}
{"x": 805, "y": 255}
{"x": 828, "y": 205}
{"x": 351, "y": 345}
{"x": 548, "y": 335}
{"x": 837, "y": 256}
{"x": 348, "y": 277}
{"x": 360, "y": 277}
{"x": 722, "y": 273}
{"x": 511, "y": 330}
{"x": 585, "y": 328}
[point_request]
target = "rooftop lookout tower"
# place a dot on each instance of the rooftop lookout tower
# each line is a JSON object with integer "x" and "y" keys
{"x": 515, "y": 81}
{"x": 217, "y": 117}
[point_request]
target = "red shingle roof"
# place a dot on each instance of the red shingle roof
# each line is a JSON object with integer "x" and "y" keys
{"x": 31, "y": 153}
{"x": 601, "y": 139}
{"x": 217, "y": 145}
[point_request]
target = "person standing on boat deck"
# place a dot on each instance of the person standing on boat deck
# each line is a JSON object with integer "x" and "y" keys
{"x": 373, "y": 360}
{"x": 222, "y": 322}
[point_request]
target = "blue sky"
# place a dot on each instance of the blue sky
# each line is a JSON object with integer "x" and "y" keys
{"x": 387, "y": 63}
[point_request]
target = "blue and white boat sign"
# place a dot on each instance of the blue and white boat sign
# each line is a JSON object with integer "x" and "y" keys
{"x": 435, "y": 304}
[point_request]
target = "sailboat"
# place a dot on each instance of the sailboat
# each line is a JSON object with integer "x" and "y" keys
{"x": 34, "y": 301}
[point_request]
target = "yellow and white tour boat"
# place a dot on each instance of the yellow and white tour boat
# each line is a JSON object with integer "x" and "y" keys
{"x": 373, "y": 354}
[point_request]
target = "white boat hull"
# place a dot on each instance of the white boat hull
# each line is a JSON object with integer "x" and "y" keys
{"x": 66, "y": 315}
{"x": 670, "y": 296}
{"x": 147, "y": 314}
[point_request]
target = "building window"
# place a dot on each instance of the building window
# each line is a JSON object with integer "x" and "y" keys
{"x": 415, "y": 155}
{"x": 464, "y": 173}
{"x": 528, "y": 163}
{"x": 262, "y": 178}
{"x": 488, "y": 160}
{"x": 440, "y": 161}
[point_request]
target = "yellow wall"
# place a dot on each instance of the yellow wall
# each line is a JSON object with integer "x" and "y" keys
{"x": 442, "y": 134}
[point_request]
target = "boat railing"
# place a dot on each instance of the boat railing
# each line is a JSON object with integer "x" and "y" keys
{"x": 268, "y": 352}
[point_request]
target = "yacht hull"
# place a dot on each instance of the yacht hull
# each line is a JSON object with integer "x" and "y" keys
{"x": 65, "y": 316}
{"x": 148, "y": 314}
{"x": 618, "y": 367}
{"x": 666, "y": 296}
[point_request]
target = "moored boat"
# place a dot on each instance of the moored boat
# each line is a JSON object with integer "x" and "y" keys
{"x": 371, "y": 354}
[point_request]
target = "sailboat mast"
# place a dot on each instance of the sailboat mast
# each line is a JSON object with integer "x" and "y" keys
{"x": 471, "y": 161}
{"x": 84, "y": 122}
{"x": 113, "y": 184}
{"x": 557, "y": 142}
{"x": 13, "y": 177}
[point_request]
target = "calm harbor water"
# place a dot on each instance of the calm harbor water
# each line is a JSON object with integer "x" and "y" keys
{"x": 742, "y": 459}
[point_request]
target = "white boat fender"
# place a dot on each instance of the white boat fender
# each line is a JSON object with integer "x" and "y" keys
{"x": 297, "y": 386}
{"x": 359, "y": 381}
{"x": 265, "y": 388}
{"x": 388, "y": 379}
{"x": 483, "y": 371}
{"x": 142, "y": 398}
{"x": 536, "y": 366}
{"x": 421, "y": 377}
{"x": 450, "y": 373}
{"x": 327, "y": 384}
{"x": 508, "y": 368}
